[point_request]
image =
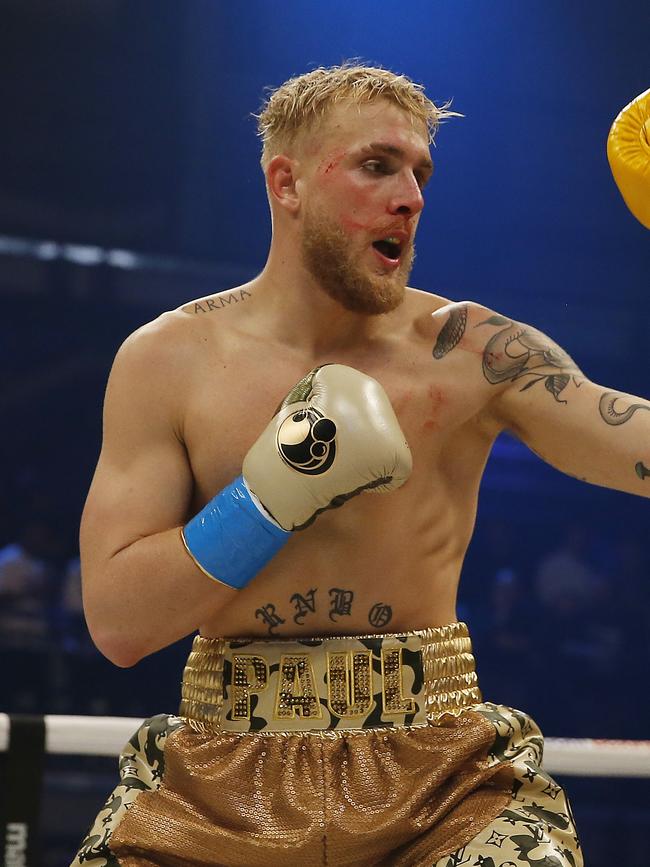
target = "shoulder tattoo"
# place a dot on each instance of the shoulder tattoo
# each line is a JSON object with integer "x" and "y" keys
{"x": 451, "y": 332}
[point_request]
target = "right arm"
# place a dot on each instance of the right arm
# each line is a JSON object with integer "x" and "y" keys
{"x": 141, "y": 590}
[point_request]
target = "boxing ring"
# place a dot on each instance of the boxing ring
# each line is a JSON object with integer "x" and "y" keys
{"x": 105, "y": 736}
{"x": 26, "y": 741}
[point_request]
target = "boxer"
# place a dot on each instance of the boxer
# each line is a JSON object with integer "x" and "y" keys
{"x": 290, "y": 470}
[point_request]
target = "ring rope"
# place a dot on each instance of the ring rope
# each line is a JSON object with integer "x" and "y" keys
{"x": 581, "y": 757}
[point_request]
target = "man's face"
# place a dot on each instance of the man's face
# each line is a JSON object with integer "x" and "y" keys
{"x": 365, "y": 171}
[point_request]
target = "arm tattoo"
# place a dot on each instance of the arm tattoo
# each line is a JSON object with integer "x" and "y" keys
{"x": 516, "y": 352}
{"x": 451, "y": 332}
{"x": 611, "y": 415}
{"x": 642, "y": 471}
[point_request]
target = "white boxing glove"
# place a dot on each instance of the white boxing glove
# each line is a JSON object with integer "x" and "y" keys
{"x": 335, "y": 435}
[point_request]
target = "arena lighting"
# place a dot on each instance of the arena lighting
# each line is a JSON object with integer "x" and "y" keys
{"x": 47, "y": 250}
{"x": 88, "y": 255}
{"x": 83, "y": 255}
{"x": 122, "y": 259}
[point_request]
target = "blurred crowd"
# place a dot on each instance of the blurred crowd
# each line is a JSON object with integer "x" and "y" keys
{"x": 564, "y": 635}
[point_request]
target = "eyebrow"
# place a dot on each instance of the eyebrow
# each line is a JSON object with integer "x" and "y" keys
{"x": 392, "y": 150}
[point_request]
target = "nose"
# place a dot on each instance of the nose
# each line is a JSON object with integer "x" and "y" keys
{"x": 407, "y": 199}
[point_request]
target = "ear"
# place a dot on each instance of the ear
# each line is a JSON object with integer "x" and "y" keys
{"x": 282, "y": 181}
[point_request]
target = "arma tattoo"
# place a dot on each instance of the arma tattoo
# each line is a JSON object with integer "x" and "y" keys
{"x": 451, "y": 332}
{"x": 613, "y": 416}
{"x": 210, "y": 304}
{"x": 516, "y": 352}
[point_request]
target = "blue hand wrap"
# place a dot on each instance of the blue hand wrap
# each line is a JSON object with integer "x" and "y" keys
{"x": 230, "y": 539}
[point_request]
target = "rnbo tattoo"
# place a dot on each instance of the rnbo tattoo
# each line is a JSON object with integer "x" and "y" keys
{"x": 341, "y": 602}
{"x": 380, "y": 614}
{"x": 268, "y": 614}
{"x": 303, "y": 605}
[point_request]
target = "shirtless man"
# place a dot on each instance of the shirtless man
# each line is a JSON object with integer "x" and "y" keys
{"x": 267, "y": 763}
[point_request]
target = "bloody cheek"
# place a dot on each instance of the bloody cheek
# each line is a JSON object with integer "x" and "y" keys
{"x": 329, "y": 164}
{"x": 357, "y": 202}
{"x": 361, "y": 212}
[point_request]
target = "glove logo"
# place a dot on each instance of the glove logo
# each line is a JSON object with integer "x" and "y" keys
{"x": 306, "y": 441}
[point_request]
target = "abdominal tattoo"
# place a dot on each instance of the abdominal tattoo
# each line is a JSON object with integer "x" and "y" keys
{"x": 304, "y": 604}
{"x": 517, "y": 352}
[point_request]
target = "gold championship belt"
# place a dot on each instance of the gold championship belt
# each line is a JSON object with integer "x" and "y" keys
{"x": 329, "y": 683}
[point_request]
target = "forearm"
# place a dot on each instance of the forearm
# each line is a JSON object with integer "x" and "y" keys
{"x": 147, "y": 596}
{"x": 628, "y": 419}
{"x": 595, "y": 434}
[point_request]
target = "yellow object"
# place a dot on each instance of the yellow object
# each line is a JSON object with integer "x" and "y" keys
{"x": 628, "y": 152}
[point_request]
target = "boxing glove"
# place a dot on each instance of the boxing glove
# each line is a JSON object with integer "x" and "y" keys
{"x": 334, "y": 436}
{"x": 628, "y": 152}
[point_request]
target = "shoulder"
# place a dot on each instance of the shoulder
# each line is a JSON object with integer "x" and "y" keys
{"x": 228, "y": 299}
{"x": 177, "y": 335}
{"x": 155, "y": 343}
{"x": 449, "y": 324}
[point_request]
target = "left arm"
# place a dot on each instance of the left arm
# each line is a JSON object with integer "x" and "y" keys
{"x": 593, "y": 433}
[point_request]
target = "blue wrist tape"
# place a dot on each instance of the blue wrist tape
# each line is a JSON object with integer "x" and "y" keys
{"x": 230, "y": 539}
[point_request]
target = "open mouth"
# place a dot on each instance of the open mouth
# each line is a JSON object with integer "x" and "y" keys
{"x": 389, "y": 249}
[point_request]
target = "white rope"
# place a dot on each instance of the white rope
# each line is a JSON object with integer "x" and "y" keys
{"x": 580, "y": 757}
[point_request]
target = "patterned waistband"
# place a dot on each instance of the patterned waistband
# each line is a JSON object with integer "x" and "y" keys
{"x": 328, "y": 684}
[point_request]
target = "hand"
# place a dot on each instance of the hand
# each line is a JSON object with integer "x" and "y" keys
{"x": 334, "y": 436}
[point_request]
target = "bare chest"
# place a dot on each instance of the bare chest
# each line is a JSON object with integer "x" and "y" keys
{"x": 230, "y": 402}
{"x": 382, "y": 561}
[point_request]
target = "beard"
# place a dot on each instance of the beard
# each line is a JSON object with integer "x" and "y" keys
{"x": 328, "y": 256}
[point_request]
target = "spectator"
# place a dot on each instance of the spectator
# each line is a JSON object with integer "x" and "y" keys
{"x": 26, "y": 575}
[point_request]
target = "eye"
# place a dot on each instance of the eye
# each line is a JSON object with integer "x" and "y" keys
{"x": 376, "y": 167}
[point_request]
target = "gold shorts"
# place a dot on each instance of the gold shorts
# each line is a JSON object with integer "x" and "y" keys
{"x": 362, "y": 751}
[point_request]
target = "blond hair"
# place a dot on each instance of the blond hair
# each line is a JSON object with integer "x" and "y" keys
{"x": 299, "y": 103}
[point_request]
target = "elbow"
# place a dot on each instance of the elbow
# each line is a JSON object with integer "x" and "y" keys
{"x": 119, "y": 650}
{"x": 122, "y": 657}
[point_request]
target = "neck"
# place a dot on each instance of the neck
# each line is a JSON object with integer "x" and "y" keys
{"x": 296, "y": 311}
